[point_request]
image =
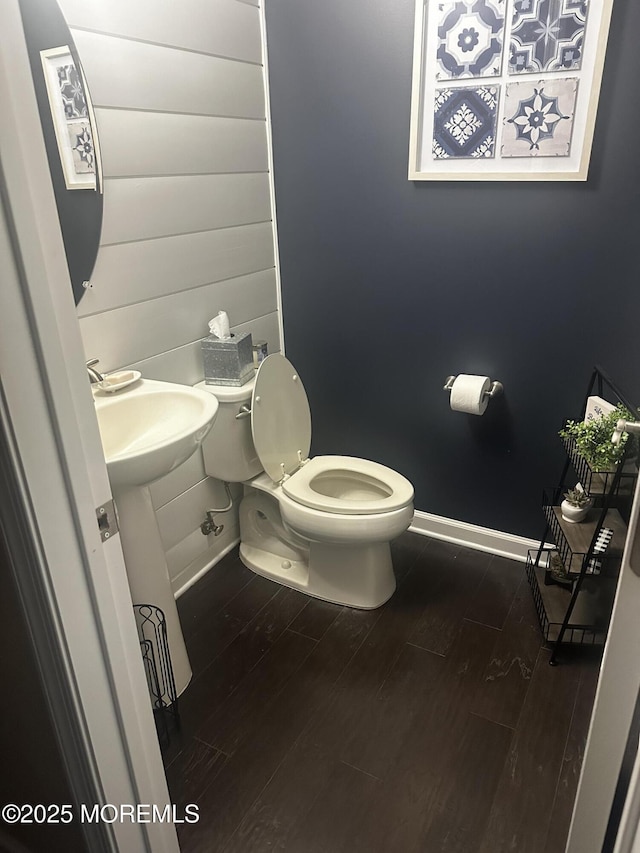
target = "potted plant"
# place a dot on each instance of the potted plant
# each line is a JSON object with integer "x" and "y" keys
{"x": 592, "y": 438}
{"x": 575, "y": 506}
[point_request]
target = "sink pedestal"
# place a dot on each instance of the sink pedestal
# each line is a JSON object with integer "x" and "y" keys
{"x": 148, "y": 428}
{"x": 147, "y": 570}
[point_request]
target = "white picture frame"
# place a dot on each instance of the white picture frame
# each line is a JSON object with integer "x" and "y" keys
{"x": 489, "y": 103}
{"x": 71, "y": 112}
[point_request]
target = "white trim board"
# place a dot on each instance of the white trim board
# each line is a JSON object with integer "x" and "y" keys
{"x": 272, "y": 184}
{"x": 472, "y": 536}
{"x": 425, "y": 524}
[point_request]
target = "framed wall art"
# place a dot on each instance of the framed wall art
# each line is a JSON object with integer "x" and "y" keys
{"x": 71, "y": 113}
{"x": 506, "y": 89}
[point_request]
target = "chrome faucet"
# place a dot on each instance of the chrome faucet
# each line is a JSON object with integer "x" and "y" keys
{"x": 94, "y": 375}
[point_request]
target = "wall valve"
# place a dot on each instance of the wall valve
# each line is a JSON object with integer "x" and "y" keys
{"x": 209, "y": 525}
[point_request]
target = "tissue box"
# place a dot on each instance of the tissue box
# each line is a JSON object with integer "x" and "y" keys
{"x": 228, "y": 362}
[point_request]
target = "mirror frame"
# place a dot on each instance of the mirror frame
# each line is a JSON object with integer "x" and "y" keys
{"x": 80, "y": 213}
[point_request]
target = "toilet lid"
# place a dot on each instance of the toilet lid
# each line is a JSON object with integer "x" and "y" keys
{"x": 280, "y": 417}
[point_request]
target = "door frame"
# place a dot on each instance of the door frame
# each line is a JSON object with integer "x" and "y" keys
{"x": 615, "y": 701}
{"x": 47, "y": 410}
{"x": 628, "y": 839}
{"x": 46, "y": 405}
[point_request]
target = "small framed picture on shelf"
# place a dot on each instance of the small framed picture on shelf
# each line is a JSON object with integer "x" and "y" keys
{"x": 506, "y": 89}
{"x": 597, "y": 408}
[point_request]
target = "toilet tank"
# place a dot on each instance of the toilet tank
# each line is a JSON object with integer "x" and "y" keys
{"x": 228, "y": 449}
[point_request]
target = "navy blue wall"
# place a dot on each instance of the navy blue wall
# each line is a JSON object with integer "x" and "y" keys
{"x": 389, "y": 286}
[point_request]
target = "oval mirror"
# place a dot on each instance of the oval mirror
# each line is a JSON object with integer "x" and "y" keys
{"x": 69, "y": 133}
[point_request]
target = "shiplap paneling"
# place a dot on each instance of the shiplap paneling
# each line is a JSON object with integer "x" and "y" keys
{"x": 178, "y": 481}
{"x": 140, "y": 143}
{"x": 184, "y": 364}
{"x": 138, "y": 331}
{"x": 192, "y": 547}
{"x": 219, "y": 27}
{"x": 182, "y": 479}
{"x": 182, "y": 576}
{"x": 187, "y": 229}
{"x": 263, "y": 328}
{"x": 135, "y": 75}
{"x": 144, "y": 208}
{"x": 185, "y": 513}
{"x": 181, "y": 364}
{"x": 127, "y": 273}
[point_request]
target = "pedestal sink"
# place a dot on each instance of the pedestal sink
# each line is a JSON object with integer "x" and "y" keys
{"x": 147, "y": 430}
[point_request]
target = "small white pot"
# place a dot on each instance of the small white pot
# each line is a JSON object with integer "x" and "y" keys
{"x": 573, "y": 513}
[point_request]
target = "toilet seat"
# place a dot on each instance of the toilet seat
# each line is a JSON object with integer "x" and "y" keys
{"x": 349, "y": 486}
{"x": 281, "y": 430}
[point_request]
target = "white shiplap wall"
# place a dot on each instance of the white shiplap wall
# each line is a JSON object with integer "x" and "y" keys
{"x": 179, "y": 97}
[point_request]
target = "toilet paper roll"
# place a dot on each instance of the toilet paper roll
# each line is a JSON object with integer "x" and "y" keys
{"x": 468, "y": 394}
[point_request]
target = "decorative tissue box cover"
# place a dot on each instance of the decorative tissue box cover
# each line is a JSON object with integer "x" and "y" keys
{"x": 228, "y": 362}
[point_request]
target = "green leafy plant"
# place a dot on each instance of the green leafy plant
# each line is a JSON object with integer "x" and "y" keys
{"x": 576, "y": 498}
{"x": 593, "y": 438}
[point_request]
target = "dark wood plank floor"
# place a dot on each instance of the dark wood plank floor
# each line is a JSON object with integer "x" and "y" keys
{"x": 431, "y": 724}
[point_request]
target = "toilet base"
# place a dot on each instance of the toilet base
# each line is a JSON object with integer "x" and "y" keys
{"x": 360, "y": 576}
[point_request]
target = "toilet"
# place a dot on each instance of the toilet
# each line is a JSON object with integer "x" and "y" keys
{"x": 321, "y": 525}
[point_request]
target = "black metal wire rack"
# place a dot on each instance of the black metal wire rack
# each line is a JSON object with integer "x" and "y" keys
{"x": 551, "y": 603}
{"x": 152, "y": 632}
{"x": 578, "y": 609}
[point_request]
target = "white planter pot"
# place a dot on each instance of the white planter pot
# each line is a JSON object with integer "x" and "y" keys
{"x": 574, "y": 514}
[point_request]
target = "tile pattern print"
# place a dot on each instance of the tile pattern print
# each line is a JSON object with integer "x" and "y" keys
{"x": 84, "y": 158}
{"x": 73, "y": 100}
{"x": 470, "y": 38}
{"x": 539, "y": 118}
{"x": 465, "y": 122}
{"x": 77, "y": 114}
{"x": 547, "y": 35}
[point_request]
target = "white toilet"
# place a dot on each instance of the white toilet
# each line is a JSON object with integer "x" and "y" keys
{"x": 323, "y": 525}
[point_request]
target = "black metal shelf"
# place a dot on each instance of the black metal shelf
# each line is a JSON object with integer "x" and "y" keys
{"x": 573, "y": 540}
{"x": 575, "y": 606}
{"x": 598, "y": 483}
{"x": 588, "y": 625}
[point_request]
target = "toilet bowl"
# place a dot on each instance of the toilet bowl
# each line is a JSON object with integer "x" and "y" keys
{"x": 321, "y": 525}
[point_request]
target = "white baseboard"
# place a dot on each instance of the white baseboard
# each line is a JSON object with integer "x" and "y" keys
{"x": 199, "y": 572}
{"x": 472, "y": 536}
{"x": 437, "y": 527}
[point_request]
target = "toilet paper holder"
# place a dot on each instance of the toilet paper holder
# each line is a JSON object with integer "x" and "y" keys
{"x": 496, "y": 387}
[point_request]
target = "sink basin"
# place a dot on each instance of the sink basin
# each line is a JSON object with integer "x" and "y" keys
{"x": 150, "y": 428}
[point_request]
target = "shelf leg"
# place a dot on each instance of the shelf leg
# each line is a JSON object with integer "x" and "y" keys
{"x": 567, "y": 618}
{"x": 541, "y": 547}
